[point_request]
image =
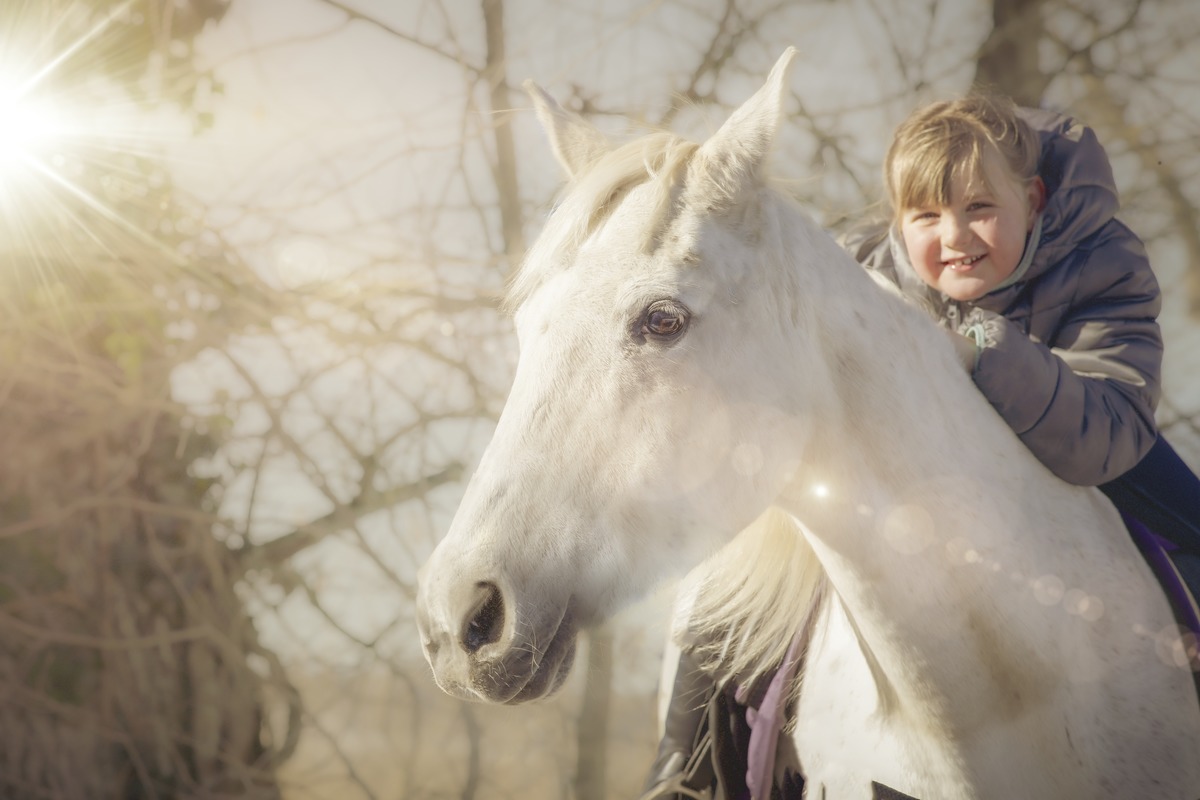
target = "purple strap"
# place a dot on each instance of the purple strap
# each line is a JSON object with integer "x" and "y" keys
{"x": 1154, "y": 548}
{"x": 766, "y": 722}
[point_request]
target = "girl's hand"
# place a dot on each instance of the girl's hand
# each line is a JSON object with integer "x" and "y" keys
{"x": 966, "y": 350}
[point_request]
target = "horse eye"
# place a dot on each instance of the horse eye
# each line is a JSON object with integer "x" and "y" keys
{"x": 664, "y": 320}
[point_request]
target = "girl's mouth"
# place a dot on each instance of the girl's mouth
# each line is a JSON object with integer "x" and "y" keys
{"x": 963, "y": 264}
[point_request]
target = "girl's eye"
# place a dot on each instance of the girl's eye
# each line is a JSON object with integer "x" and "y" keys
{"x": 919, "y": 216}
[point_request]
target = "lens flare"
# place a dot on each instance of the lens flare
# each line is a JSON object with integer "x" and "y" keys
{"x": 27, "y": 128}
{"x": 32, "y": 119}
{"x": 74, "y": 143}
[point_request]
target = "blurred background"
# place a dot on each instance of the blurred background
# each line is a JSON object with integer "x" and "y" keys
{"x": 251, "y": 256}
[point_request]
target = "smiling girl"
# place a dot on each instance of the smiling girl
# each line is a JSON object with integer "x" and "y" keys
{"x": 1003, "y": 225}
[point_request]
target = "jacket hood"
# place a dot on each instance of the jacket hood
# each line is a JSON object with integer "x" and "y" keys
{"x": 1081, "y": 193}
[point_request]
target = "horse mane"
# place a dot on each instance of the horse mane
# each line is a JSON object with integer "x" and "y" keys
{"x": 741, "y": 608}
{"x": 587, "y": 201}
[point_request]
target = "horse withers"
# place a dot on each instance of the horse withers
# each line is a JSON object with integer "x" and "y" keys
{"x": 695, "y": 351}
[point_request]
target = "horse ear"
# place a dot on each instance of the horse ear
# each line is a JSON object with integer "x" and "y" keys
{"x": 576, "y": 142}
{"x": 731, "y": 158}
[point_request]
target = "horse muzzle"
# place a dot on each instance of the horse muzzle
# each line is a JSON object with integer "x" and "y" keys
{"x": 480, "y": 648}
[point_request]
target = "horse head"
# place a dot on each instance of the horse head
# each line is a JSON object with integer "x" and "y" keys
{"x": 646, "y": 424}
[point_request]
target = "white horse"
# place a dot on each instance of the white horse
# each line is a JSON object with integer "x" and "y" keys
{"x": 694, "y": 350}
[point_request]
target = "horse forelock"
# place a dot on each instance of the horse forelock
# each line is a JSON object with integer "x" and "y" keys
{"x": 658, "y": 159}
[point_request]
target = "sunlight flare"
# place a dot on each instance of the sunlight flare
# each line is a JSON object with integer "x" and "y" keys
{"x": 33, "y": 120}
{"x": 74, "y": 143}
{"x": 28, "y": 128}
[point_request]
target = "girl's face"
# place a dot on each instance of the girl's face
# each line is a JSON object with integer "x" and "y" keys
{"x": 968, "y": 248}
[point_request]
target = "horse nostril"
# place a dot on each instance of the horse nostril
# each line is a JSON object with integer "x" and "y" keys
{"x": 487, "y": 623}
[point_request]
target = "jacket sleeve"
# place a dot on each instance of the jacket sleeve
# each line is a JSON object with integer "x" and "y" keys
{"x": 1084, "y": 401}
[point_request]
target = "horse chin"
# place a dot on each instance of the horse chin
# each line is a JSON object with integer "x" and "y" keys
{"x": 525, "y": 672}
{"x": 549, "y": 677}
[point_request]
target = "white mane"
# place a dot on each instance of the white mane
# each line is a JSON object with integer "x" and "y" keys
{"x": 745, "y": 603}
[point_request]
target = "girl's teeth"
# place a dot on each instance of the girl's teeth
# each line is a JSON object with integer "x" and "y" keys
{"x": 963, "y": 263}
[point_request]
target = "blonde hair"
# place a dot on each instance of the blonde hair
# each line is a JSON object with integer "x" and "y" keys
{"x": 946, "y": 141}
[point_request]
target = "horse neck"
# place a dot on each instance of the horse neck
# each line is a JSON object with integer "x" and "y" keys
{"x": 894, "y": 406}
{"x": 906, "y": 468}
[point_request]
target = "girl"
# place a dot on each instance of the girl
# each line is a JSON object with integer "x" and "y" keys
{"x": 1003, "y": 226}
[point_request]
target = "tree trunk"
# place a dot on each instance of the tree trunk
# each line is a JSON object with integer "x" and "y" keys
{"x": 593, "y": 719}
{"x": 1008, "y": 60}
{"x": 474, "y": 743}
{"x": 504, "y": 168}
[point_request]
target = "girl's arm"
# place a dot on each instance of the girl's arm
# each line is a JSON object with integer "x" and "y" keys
{"x": 1084, "y": 401}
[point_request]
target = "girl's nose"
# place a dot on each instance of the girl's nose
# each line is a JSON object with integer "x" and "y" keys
{"x": 955, "y": 231}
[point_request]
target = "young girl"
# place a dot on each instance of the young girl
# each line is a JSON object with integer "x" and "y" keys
{"x": 1003, "y": 227}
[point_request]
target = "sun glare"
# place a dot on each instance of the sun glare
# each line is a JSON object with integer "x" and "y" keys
{"x": 72, "y": 138}
{"x": 29, "y": 128}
